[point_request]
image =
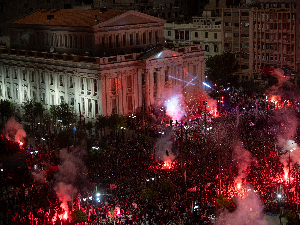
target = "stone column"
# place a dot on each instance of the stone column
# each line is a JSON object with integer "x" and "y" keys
{"x": 147, "y": 90}
{"x": 138, "y": 92}
{"x": 151, "y": 86}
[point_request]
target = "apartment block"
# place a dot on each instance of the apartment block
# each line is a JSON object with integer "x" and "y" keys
{"x": 235, "y": 37}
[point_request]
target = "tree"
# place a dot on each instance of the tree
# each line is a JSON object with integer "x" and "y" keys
{"x": 149, "y": 194}
{"x": 101, "y": 123}
{"x": 221, "y": 69}
{"x": 78, "y": 216}
{"x": 116, "y": 121}
{"x": 223, "y": 202}
{"x": 62, "y": 112}
{"x": 6, "y": 110}
{"x": 33, "y": 110}
{"x": 167, "y": 186}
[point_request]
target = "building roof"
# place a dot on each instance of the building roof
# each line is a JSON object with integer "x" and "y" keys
{"x": 68, "y": 17}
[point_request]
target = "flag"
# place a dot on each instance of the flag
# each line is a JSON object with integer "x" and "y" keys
{"x": 251, "y": 124}
{"x": 113, "y": 186}
{"x": 194, "y": 189}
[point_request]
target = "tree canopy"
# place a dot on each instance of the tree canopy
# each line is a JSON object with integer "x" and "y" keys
{"x": 6, "y": 110}
{"x": 221, "y": 69}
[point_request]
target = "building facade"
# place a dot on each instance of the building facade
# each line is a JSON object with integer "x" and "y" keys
{"x": 275, "y": 37}
{"x": 97, "y": 85}
{"x": 235, "y": 37}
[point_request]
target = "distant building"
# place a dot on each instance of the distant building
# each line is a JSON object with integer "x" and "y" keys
{"x": 235, "y": 37}
{"x": 97, "y": 60}
{"x": 275, "y": 34}
{"x": 204, "y": 30}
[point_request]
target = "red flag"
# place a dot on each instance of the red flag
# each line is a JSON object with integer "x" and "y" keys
{"x": 113, "y": 186}
{"x": 194, "y": 189}
{"x": 251, "y": 124}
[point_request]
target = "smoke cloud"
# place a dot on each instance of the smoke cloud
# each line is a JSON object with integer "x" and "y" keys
{"x": 175, "y": 107}
{"x": 14, "y": 130}
{"x": 71, "y": 174}
{"x": 249, "y": 211}
{"x": 243, "y": 159}
{"x": 162, "y": 145}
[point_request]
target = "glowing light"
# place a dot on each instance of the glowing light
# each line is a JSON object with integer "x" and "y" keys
{"x": 190, "y": 81}
{"x": 238, "y": 186}
{"x": 65, "y": 215}
{"x": 279, "y": 195}
{"x": 167, "y": 164}
{"x": 21, "y": 143}
{"x": 205, "y": 84}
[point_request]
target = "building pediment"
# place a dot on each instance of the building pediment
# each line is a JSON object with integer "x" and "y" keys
{"x": 130, "y": 18}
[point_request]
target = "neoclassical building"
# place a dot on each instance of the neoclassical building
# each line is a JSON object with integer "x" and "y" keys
{"x": 92, "y": 68}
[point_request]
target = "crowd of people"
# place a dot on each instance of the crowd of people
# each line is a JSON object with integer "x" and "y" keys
{"x": 119, "y": 172}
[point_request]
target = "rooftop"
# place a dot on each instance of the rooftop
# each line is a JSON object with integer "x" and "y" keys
{"x": 68, "y": 17}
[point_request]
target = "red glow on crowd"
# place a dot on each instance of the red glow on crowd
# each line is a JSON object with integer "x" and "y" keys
{"x": 167, "y": 165}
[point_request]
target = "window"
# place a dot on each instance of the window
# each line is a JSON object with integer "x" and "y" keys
{"x": 110, "y": 44}
{"x": 129, "y": 103}
{"x": 196, "y": 34}
{"x": 244, "y": 14}
{"x": 137, "y": 40}
{"x": 129, "y": 82}
{"x": 8, "y": 92}
{"x": 117, "y": 41}
{"x": 88, "y": 85}
{"x": 143, "y": 79}
{"x": 187, "y": 35}
{"x": 207, "y": 48}
{"x": 16, "y": 74}
{"x": 150, "y": 37}
{"x": 61, "y": 99}
{"x": 124, "y": 39}
{"x": 216, "y": 35}
{"x": 90, "y": 105}
{"x": 96, "y": 107}
{"x": 131, "y": 39}
{"x": 7, "y": 73}
{"x": 206, "y": 34}
{"x": 51, "y": 79}
{"x": 95, "y": 87}
{"x": 176, "y": 34}
{"x": 236, "y": 24}
{"x": 82, "y": 84}
{"x": 228, "y": 34}
{"x": 42, "y": 78}
{"x": 24, "y": 75}
{"x": 245, "y": 56}
{"x": 244, "y": 35}
{"x": 71, "y": 82}
{"x": 236, "y": 14}
{"x": 61, "y": 80}
{"x": 227, "y": 24}
{"x": 17, "y": 93}
{"x": 144, "y": 38}
{"x": 181, "y": 34}
{"x": 82, "y": 106}
{"x": 245, "y": 45}
{"x": 166, "y": 76}
{"x": 43, "y": 98}
{"x": 32, "y": 76}
{"x": 34, "y": 96}
{"x": 25, "y": 95}
{"x": 245, "y": 67}
{"x": 169, "y": 33}
{"x": 236, "y": 35}
{"x": 236, "y": 45}
{"x": 103, "y": 41}
{"x": 227, "y": 13}
{"x": 215, "y": 48}
{"x": 72, "y": 101}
